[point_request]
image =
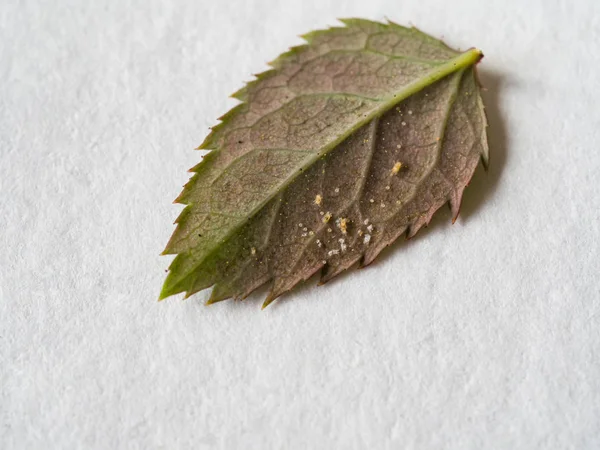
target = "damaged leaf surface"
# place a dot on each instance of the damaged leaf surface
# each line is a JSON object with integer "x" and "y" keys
{"x": 350, "y": 141}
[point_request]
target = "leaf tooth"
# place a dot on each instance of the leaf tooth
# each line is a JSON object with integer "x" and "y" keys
{"x": 485, "y": 150}
{"x": 455, "y": 202}
{"x": 277, "y": 289}
{"x": 183, "y": 214}
{"x": 172, "y": 246}
{"x": 282, "y": 59}
{"x": 412, "y": 230}
{"x": 397, "y": 26}
{"x": 244, "y": 92}
{"x": 198, "y": 170}
{"x": 243, "y": 291}
{"x": 281, "y": 285}
{"x": 485, "y": 161}
{"x": 240, "y": 94}
{"x": 330, "y": 271}
{"x": 233, "y": 112}
{"x": 210, "y": 142}
{"x": 199, "y": 167}
{"x": 182, "y": 198}
{"x": 377, "y": 247}
{"x": 432, "y": 40}
{"x": 422, "y": 34}
{"x": 270, "y": 299}
{"x": 203, "y": 280}
{"x": 422, "y": 221}
{"x": 262, "y": 76}
{"x": 220, "y": 292}
{"x": 237, "y": 288}
{"x": 363, "y": 23}
{"x": 311, "y": 36}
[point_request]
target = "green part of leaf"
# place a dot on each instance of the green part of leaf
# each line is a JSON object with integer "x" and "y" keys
{"x": 347, "y": 143}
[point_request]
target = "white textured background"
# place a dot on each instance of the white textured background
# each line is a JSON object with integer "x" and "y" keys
{"x": 481, "y": 335}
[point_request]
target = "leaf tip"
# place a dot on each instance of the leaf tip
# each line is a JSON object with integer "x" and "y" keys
{"x": 163, "y": 294}
{"x": 171, "y": 286}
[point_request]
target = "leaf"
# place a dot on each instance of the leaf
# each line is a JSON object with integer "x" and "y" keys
{"x": 348, "y": 142}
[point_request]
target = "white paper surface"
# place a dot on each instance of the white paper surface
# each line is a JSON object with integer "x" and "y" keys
{"x": 484, "y": 334}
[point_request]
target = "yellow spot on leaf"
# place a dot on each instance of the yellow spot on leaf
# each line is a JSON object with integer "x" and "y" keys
{"x": 344, "y": 225}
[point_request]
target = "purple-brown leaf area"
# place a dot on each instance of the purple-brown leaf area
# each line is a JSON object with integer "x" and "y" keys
{"x": 284, "y": 194}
